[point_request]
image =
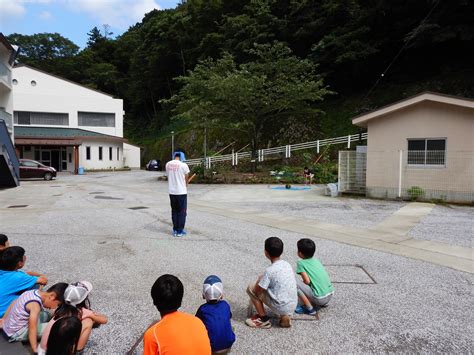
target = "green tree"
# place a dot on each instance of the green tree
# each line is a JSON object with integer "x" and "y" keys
{"x": 250, "y": 98}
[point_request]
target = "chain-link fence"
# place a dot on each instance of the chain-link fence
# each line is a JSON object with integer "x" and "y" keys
{"x": 421, "y": 175}
{"x": 352, "y": 171}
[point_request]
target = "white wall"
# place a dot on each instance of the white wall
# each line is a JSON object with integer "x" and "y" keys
{"x": 6, "y": 96}
{"x": 131, "y": 156}
{"x": 52, "y": 94}
{"x": 105, "y": 163}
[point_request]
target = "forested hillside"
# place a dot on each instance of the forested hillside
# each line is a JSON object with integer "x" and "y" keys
{"x": 267, "y": 71}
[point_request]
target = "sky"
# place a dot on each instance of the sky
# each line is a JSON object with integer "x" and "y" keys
{"x": 73, "y": 19}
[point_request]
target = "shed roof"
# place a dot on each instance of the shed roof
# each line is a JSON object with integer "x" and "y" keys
{"x": 362, "y": 120}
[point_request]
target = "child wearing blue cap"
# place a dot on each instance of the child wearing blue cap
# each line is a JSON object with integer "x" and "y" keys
{"x": 216, "y": 315}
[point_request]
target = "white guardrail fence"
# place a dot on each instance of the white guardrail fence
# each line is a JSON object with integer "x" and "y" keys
{"x": 286, "y": 149}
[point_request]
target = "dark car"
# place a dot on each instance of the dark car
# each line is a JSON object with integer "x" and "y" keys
{"x": 33, "y": 169}
{"x": 153, "y": 165}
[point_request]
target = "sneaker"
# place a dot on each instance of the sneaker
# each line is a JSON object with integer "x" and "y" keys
{"x": 299, "y": 309}
{"x": 257, "y": 322}
{"x": 311, "y": 311}
{"x": 183, "y": 232}
{"x": 285, "y": 321}
{"x": 175, "y": 233}
{"x": 179, "y": 235}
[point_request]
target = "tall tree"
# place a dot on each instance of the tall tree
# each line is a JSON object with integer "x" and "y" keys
{"x": 250, "y": 97}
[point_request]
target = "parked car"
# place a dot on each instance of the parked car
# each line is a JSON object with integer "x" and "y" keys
{"x": 153, "y": 165}
{"x": 34, "y": 169}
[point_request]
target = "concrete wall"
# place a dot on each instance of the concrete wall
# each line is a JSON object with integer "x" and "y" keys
{"x": 52, "y": 94}
{"x": 105, "y": 163}
{"x": 390, "y": 133}
{"x": 131, "y": 156}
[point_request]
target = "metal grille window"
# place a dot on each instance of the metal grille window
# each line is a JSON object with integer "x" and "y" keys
{"x": 88, "y": 153}
{"x": 110, "y": 153}
{"x": 96, "y": 119}
{"x": 41, "y": 118}
{"x": 100, "y": 153}
{"x": 427, "y": 151}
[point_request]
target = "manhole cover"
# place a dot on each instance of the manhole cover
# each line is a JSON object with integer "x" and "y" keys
{"x": 108, "y": 198}
{"x": 349, "y": 274}
{"x": 96, "y": 192}
{"x": 138, "y": 208}
{"x": 17, "y": 206}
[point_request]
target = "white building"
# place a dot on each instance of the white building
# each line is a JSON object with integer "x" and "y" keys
{"x": 7, "y": 56}
{"x": 66, "y": 125}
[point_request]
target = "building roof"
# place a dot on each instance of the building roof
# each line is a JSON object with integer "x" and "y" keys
{"x": 61, "y": 78}
{"x": 40, "y": 135}
{"x": 362, "y": 120}
{"x": 5, "y": 42}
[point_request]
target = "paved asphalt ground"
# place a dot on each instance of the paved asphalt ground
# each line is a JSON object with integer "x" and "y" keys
{"x": 82, "y": 228}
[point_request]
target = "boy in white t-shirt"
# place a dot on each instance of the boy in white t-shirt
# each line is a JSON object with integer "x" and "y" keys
{"x": 178, "y": 178}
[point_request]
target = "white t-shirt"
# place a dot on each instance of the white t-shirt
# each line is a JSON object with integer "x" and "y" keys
{"x": 176, "y": 171}
{"x": 280, "y": 283}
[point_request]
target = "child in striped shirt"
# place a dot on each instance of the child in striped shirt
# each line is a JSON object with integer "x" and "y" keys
{"x": 26, "y": 319}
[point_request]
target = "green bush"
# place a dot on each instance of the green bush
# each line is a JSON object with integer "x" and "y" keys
{"x": 324, "y": 173}
{"x": 415, "y": 192}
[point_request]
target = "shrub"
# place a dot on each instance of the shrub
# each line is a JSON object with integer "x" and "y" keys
{"x": 415, "y": 192}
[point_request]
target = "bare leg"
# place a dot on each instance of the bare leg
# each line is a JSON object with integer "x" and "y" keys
{"x": 259, "y": 307}
{"x": 305, "y": 301}
{"x": 85, "y": 333}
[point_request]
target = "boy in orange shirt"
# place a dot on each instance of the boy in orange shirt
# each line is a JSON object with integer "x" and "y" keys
{"x": 171, "y": 335}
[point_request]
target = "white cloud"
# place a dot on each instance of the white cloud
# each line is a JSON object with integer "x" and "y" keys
{"x": 45, "y": 15}
{"x": 11, "y": 8}
{"x": 116, "y": 13}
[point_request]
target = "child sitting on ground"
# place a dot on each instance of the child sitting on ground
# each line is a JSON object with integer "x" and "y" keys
{"x": 176, "y": 332}
{"x": 63, "y": 311}
{"x": 64, "y": 336}
{"x": 76, "y": 303}
{"x": 4, "y": 242}
{"x": 216, "y": 315}
{"x": 13, "y": 281}
{"x": 26, "y": 318}
{"x": 314, "y": 286}
{"x": 276, "y": 289}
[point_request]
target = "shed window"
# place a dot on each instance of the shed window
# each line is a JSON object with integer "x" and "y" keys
{"x": 110, "y": 153}
{"x": 427, "y": 151}
{"x": 88, "y": 153}
{"x": 100, "y": 153}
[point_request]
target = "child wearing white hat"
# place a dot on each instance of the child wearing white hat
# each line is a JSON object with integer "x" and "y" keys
{"x": 216, "y": 315}
{"x": 76, "y": 298}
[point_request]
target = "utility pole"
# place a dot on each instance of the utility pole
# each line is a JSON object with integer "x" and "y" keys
{"x": 205, "y": 147}
{"x": 172, "y": 145}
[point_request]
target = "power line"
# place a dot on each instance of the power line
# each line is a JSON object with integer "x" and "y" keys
{"x": 401, "y": 50}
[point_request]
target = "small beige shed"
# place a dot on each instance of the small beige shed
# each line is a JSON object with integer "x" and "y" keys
{"x": 421, "y": 147}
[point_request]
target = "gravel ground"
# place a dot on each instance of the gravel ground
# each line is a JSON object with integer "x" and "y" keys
{"x": 70, "y": 235}
{"x": 343, "y": 211}
{"x": 447, "y": 224}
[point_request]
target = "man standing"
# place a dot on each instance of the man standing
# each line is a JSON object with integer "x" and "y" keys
{"x": 178, "y": 178}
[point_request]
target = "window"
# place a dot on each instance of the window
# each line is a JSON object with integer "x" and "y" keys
{"x": 100, "y": 153}
{"x": 118, "y": 153}
{"x": 88, "y": 153}
{"x": 15, "y": 82}
{"x": 427, "y": 151}
{"x": 96, "y": 119}
{"x": 33, "y": 83}
{"x": 41, "y": 118}
{"x": 110, "y": 153}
